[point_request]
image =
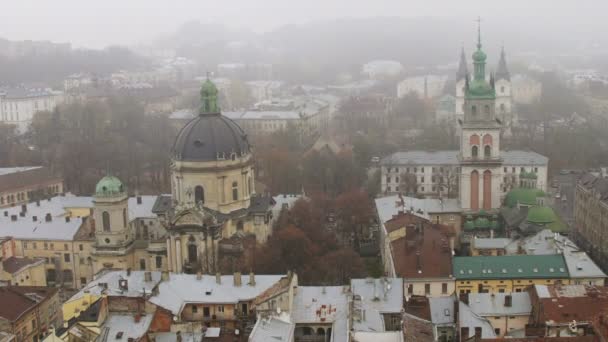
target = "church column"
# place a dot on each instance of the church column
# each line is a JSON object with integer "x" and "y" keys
{"x": 178, "y": 256}
{"x": 169, "y": 257}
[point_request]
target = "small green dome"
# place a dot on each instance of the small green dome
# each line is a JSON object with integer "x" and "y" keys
{"x": 541, "y": 215}
{"x": 494, "y": 224}
{"x": 523, "y": 196}
{"x": 482, "y": 222}
{"x": 480, "y": 89}
{"x": 479, "y": 56}
{"x": 482, "y": 213}
{"x": 108, "y": 186}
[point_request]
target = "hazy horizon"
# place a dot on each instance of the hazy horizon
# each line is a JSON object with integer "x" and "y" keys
{"x": 101, "y": 23}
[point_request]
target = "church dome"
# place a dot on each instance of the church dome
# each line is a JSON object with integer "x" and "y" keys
{"x": 479, "y": 56}
{"x": 210, "y": 137}
{"x": 525, "y": 196}
{"x": 541, "y": 215}
{"x": 109, "y": 186}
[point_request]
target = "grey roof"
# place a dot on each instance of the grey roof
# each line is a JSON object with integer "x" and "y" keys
{"x": 493, "y": 304}
{"x": 272, "y": 329}
{"x": 322, "y": 304}
{"x": 579, "y": 263}
{"x": 127, "y": 324}
{"x": 468, "y": 318}
{"x": 208, "y": 138}
{"x": 597, "y": 184}
{"x": 389, "y": 206}
{"x": 524, "y": 158}
{"x": 182, "y": 289}
{"x": 491, "y": 243}
{"x": 263, "y": 115}
{"x": 22, "y": 93}
{"x": 378, "y": 296}
{"x": 188, "y": 336}
{"x": 9, "y": 170}
{"x": 182, "y": 114}
{"x": 136, "y": 284}
{"x": 442, "y": 310}
{"x": 387, "y": 336}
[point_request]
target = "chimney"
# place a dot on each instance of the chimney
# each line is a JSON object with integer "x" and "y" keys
{"x": 6, "y": 213}
{"x": 508, "y": 301}
{"x": 178, "y": 336}
{"x": 148, "y": 276}
{"x": 37, "y": 203}
{"x": 123, "y": 284}
{"x": 34, "y": 218}
{"x": 138, "y": 199}
{"x": 67, "y": 219}
{"x": 48, "y": 217}
{"x": 237, "y": 279}
{"x": 164, "y": 275}
{"x": 251, "y": 278}
{"x": 129, "y": 272}
{"x": 24, "y": 208}
{"x": 218, "y": 278}
{"x": 13, "y": 218}
{"x": 199, "y": 275}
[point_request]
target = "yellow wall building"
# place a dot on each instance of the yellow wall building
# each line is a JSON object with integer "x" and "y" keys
{"x": 509, "y": 273}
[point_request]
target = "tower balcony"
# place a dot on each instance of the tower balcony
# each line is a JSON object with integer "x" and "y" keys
{"x": 480, "y": 160}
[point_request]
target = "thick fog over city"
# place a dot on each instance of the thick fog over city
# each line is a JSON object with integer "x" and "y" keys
{"x": 303, "y": 171}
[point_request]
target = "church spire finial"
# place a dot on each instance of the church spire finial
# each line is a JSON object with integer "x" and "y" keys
{"x": 479, "y": 32}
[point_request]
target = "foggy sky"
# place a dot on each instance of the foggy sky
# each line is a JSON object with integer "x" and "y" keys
{"x": 97, "y": 23}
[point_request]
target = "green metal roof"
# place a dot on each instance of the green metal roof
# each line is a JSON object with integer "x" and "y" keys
{"x": 482, "y": 222}
{"x": 523, "y": 196}
{"x": 469, "y": 225}
{"x": 510, "y": 267}
{"x": 541, "y": 215}
{"x": 109, "y": 186}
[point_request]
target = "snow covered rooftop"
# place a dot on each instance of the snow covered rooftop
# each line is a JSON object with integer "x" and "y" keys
{"x": 136, "y": 284}
{"x": 182, "y": 289}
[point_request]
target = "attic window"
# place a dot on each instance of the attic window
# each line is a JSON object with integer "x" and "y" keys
{"x": 119, "y": 335}
{"x": 198, "y": 143}
{"x": 535, "y": 270}
{"x": 446, "y": 312}
{"x": 562, "y": 269}
{"x": 470, "y": 271}
{"x": 489, "y": 271}
{"x": 519, "y": 270}
{"x": 504, "y": 270}
{"x": 208, "y": 292}
{"x": 551, "y": 269}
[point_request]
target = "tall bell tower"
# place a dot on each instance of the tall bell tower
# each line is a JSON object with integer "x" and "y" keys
{"x": 480, "y": 160}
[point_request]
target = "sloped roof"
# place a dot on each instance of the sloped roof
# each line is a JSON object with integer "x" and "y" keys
{"x": 510, "y": 267}
{"x": 493, "y": 304}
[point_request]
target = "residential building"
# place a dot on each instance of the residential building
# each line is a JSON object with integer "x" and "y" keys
{"x": 377, "y": 305}
{"x": 424, "y": 87}
{"x": 508, "y": 273}
{"x": 421, "y": 253}
{"x": 22, "y": 271}
{"x": 382, "y": 68}
{"x": 190, "y": 301}
{"x": 507, "y": 313}
{"x": 18, "y": 105}
{"x": 19, "y": 185}
{"x": 591, "y": 217}
{"x": 28, "y": 312}
{"x": 575, "y": 311}
{"x": 263, "y": 90}
{"x": 436, "y": 172}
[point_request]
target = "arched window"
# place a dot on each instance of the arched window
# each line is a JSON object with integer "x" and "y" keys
{"x": 487, "y": 139}
{"x": 474, "y": 151}
{"x": 486, "y": 109}
{"x": 235, "y": 191}
{"x": 487, "y": 151}
{"x": 124, "y": 218}
{"x": 320, "y": 332}
{"x": 474, "y": 110}
{"x": 105, "y": 219}
{"x": 474, "y": 139}
{"x": 199, "y": 195}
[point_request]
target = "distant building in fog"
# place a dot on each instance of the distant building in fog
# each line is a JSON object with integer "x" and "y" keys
{"x": 424, "y": 87}
{"x": 18, "y": 105}
{"x": 381, "y": 68}
{"x": 525, "y": 89}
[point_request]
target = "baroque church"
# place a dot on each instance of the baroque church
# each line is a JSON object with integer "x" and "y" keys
{"x": 212, "y": 212}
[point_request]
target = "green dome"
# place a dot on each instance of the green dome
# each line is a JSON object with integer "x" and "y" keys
{"x": 480, "y": 89}
{"x": 523, "y": 196}
{"x": 479, "y": 56}
{"x": 482, "y": 213}
{"x": 109, "y": 185}
{"x": 541, "y": 215}
{"x": 482, "y": 222}
{"x": 469, "y": 225}
{"x": 494, "y": 224}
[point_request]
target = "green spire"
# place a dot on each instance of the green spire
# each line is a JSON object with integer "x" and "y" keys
{"x": 209, "y": 94}
{"x": 479, "y": 87}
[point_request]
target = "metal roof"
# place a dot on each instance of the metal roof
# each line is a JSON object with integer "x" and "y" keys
{"x": 442, "y": 310}
{"x": 510, "y": 267}
{"x": 377, "y": 296}
{"x": 493, "y": 304}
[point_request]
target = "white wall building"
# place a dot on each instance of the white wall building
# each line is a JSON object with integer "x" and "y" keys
{"x": 18, "y": 105}
{"x": 428, "y": 86}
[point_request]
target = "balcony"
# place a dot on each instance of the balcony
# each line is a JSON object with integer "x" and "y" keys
{"x": 480, "y": 160}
